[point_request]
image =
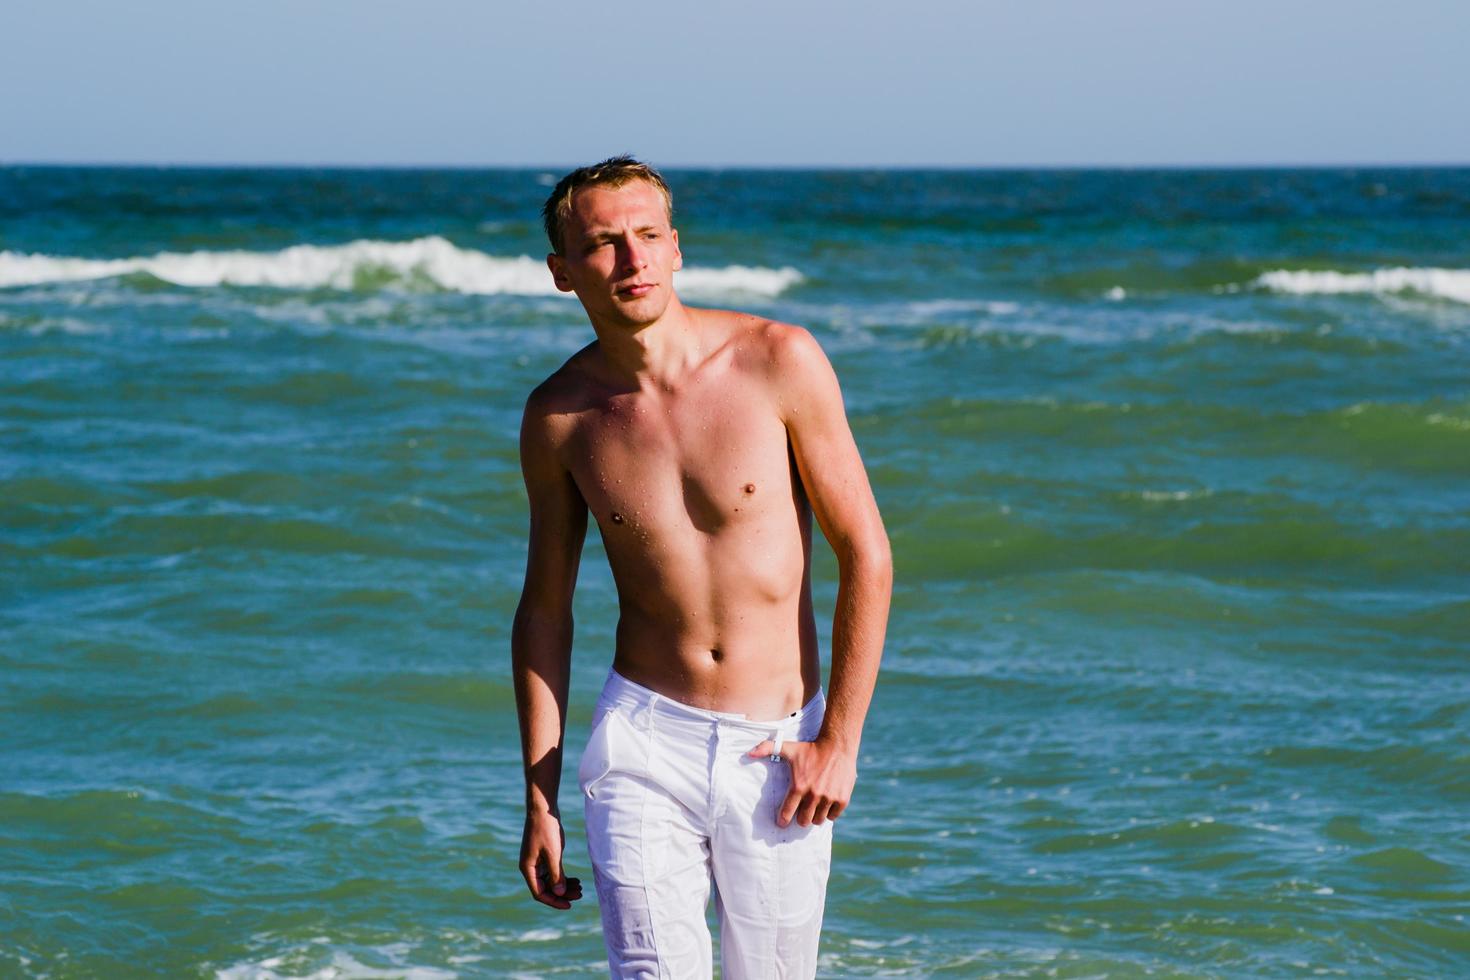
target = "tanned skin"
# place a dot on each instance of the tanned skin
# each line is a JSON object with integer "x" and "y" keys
{"x": 702, "y": 442}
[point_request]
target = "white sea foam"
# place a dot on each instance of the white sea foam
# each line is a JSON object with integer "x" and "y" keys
{"x": 432, "y": 262}
{"x": 66, "y": 325}
{"x": 1448, "y": 421}
{"x": 1157, "y": 496}
{"x": 342, "y": 966}
{"x": 755, "y": 280}
{"x": 924, "y": 310}
{"x": 1453, "y": 284}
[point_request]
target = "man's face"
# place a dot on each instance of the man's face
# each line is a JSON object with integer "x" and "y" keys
{"x": 619, "y": 254}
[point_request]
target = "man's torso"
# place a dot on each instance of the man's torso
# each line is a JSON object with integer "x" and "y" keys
{"x": 704, "y": 520}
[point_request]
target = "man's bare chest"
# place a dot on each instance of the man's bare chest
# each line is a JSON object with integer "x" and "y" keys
{"x": 710, "y": 463}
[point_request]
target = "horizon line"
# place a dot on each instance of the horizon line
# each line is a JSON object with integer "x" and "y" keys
{"x": 994, "y": 167}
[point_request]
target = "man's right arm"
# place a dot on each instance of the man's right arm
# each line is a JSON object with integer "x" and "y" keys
{"x": 541, "y": 647}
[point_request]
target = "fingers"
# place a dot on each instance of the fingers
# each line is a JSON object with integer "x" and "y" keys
{"x": 542, "y": 842}
{"x": 543, "y": 874}
{"x": 813, "y": 798}
{"x": 571, "y": 891}
{"x": 806, "y": 814}
{"x": 789, "y": 806}
{"x": 827, "y": 810}
{"x": 766, "y": 749}
{"x": 762, "y": 750}
{"x": 808, "y": 809}
{"x": 556, "y": 891}
{"x": 549, "y": 888}
{"x": 809, "y": 803}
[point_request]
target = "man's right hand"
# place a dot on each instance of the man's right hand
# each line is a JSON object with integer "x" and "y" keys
{"x": 541, "y": 846}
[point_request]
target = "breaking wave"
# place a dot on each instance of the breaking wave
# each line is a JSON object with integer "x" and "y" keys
{"x": 1452, "y": 284}
{"x": 424, "y": 263}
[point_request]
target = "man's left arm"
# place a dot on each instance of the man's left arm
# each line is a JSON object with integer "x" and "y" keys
{"x": 823, "y": 772}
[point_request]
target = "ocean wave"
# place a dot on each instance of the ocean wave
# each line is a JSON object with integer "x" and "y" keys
{"x": 323, "y": 961}
{"x": 422, "y": 263}
{"x": 737, "y": 279}
{"x": 1452, "y": 284}
{"x": 925, "y": 310}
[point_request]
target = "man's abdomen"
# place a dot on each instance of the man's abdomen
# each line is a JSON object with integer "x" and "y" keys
{"x": 732, "y": 633}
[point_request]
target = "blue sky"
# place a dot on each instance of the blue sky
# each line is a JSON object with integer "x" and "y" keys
{"x": 1131, "y": 82}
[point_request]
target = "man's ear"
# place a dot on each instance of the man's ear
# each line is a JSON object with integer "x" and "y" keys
{"x": 558, "y": 269}
{"x": 678, "y": 255}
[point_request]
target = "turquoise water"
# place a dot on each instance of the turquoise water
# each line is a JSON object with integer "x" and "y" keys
{"x": 1176, "y": 467}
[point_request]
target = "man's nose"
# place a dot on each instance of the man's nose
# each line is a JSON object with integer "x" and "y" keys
{"x": 635, "y": 256}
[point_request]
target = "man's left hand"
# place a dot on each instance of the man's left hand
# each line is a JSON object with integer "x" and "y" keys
{"x": 822, "y": 778}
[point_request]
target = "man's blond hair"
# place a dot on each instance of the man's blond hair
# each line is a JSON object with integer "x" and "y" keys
{"x": 612, "y": 172}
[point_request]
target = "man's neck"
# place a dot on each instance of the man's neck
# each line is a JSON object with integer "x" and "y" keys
{"x": 663, "y": 352}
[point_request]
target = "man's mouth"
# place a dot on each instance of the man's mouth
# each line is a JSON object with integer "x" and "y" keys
{"x": 636, "y": 289}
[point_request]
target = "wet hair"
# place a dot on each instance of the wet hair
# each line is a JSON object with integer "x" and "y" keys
{"x": 612, "y": 172}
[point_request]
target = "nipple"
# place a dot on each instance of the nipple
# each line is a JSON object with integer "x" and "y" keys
{"x": 749, "y": 488}
{"x": 617, "y": 518}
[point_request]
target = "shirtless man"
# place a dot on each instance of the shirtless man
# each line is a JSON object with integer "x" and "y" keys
{"x": 702, "y": 441}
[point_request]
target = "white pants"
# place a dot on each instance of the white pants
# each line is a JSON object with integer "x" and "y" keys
{"x": 673, "y": 802}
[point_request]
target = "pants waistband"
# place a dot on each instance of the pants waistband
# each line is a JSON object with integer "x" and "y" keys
{"x": 621, "y": 692}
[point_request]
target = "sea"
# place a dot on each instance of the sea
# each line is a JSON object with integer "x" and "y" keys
{"x": 1175, "y": 465}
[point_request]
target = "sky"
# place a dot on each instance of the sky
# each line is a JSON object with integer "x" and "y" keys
{"x": 757, "y": 83}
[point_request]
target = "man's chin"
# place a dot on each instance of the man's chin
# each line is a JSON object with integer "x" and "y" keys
{"x": 644, "y": 310}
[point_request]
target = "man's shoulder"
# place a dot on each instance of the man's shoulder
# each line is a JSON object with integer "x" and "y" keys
{"x": 792, "y": 358}
{"x": 553, "y": 406}
{"x": 566, "y": 389}
{"x": 775, "y": 347}
{"x": 789, "y": 363}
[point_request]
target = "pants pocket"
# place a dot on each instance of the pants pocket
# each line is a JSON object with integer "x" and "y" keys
{"x": 597, "y": 757}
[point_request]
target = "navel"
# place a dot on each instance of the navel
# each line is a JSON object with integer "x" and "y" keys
{"x": 716, "y": 655}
